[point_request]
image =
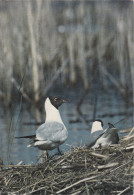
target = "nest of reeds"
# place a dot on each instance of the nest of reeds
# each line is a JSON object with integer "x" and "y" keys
{"x": 80, "y": 171}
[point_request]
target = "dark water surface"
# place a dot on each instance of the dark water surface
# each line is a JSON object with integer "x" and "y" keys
{"x": 109, "y": 108}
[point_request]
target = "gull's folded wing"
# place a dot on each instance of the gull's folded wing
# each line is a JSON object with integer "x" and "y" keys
{"x": 53, "y": 131}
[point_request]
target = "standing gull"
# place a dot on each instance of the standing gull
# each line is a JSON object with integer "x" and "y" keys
{"x": 52, "y": 133}
{"x": 103, "y": 137}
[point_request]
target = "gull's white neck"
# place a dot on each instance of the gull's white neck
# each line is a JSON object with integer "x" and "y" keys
{"x": 52, "y": 114}
{"x": 96, "y": 126}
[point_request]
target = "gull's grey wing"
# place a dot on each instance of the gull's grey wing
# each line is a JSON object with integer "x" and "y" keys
{"x": 52, "y": 131}
{"x": 112, "y": 135}
{"x": 94, "y": 136}
{"x": 110, "y": 131}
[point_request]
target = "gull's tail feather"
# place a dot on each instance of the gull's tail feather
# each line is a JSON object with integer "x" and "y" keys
{"x": 28, "y": 136}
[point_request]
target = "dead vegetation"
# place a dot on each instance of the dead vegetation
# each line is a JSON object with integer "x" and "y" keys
{"x": 79, "y": 171}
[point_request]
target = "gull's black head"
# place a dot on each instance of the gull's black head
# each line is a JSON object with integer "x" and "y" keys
{"x": 56, "y": 101}
{"x": 100, "y": 122}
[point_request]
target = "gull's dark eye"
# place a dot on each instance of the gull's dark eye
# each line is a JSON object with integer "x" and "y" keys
{"x": 55, "y": 99}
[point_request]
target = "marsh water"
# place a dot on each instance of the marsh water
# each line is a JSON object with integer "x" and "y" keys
{"x": 110, "y": 107}
{"x": 83, "y": 44}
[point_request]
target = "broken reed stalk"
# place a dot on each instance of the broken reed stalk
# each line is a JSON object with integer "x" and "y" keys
{"x": 77, "y": 183}
{"x": 20, "y": 89}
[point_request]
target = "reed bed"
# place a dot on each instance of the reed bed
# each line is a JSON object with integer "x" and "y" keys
{"x": 80, "y": 171}
{"x": 87, "y": 42}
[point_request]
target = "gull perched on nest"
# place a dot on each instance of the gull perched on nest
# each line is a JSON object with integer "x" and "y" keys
{"x": 52, "y": 133}
{"x": 103, "y": 137}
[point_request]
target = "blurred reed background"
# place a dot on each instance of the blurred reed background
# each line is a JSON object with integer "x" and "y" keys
{"x": 46, "y": 43}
